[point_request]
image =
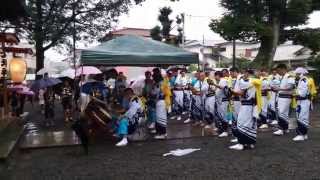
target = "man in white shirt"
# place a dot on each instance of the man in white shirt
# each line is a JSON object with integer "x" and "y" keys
{"x": 285, "y": 92}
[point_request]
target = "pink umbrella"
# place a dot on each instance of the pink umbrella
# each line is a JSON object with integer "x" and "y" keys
{"x": 123, "y": 69}
{"x": 87, "y": 70}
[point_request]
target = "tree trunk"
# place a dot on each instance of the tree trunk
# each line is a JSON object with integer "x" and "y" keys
{"x": 269, "y": 44}
{"x": 39, "y": 38}
{"x": 39, "y": 58}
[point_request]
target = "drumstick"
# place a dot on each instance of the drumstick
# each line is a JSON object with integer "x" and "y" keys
{"x": 99, "y": 119}
{"x": 105, "y": 112}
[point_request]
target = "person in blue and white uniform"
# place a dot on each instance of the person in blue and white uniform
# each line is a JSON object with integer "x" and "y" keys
{"x": 285, "y": 92}
{"x": 235, "y": 100}
{"x": 222, "y": 102}
{"x": 199, "y": 92}
{"x": 263, "y": 116}
{"x": 180, "y": 84}
{"x": 274, "y": 83}
{"x": 128, "y": 122}
{"x": 246, "y": 131}
{"x": 303, "y": 97}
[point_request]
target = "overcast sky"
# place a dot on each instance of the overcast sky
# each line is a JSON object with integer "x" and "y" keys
{"x": 198, "y": 15}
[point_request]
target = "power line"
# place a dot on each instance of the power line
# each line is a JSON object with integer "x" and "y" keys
{"x": 197, "y": 16}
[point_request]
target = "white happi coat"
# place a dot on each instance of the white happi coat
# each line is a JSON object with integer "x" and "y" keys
{"x": 245, "y": 122}
{"x": 222, "y": 105}
{"x": 284, "y": 103}
{"x": 135, "y": 107}
{"x": 303, "y": 102}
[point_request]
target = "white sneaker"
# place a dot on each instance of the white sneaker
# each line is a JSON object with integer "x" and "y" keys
{"x": 235, "y": 140}
{"x": 264, "y": 126}
{"x": 187, "y": 121}
{"x": 305, "y": 137}
{"x": 298, "y": 138}
{"x": 274, "y": 122}
{"x": 184, "y": 113}
{"x": 122, "y": 143}
{"x": 153, "y": 131}
{"x": 287, "y": 131}
{"x": 173, "y": 117}
{"x": 224, "y": 134}
{"x": 238, "y": 147}
{"x": 152, "y": 126}
{"x": 163, "y": 136}
{"x": 208, "y": 127}
{"x": 279, "y": 133}
{"x": 179, "y": 118}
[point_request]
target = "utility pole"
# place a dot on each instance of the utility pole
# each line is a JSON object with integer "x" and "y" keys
{"x": 183, "y": 29}
{"x": 234, "y": 53}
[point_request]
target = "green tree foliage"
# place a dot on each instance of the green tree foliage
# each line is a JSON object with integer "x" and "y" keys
{"x": 166, "y": 22}
{"x": 50, "y": 22}
{"x": 266, "y": 21}
{"x": 163, "y": 33}
{"x": 156, "y": 33}
{"x": 193, "y": 67}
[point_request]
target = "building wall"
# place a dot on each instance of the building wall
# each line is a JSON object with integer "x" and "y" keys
{"x": 202, "y": 57}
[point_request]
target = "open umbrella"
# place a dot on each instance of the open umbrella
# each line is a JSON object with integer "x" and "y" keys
{"x": 87, "y": 70}
{"x": 44, "y": 83}
{"x": 26, "y": 91}
{"x": 88, "y": 87}
{"x": 45, "y": 70}
{"x": 70, "y": 73}
{"x": 14, "y": 87}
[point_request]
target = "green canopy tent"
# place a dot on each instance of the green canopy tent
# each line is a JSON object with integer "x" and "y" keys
{"x": 136, "y": 51}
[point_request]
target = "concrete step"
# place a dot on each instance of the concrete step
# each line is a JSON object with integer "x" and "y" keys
{"x": 9, "y": 138}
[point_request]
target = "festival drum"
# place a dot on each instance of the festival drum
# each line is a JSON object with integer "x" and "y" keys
{"x": 98, "y": 114}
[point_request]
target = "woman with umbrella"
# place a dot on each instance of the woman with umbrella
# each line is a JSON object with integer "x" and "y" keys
{"x": 46, "y": 83}
{"x": 66, "y": 98}
{"x": 49, "y": 97}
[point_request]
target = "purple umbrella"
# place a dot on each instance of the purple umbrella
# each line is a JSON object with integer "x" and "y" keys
{"x": 26, "y": 91}
{"x": 15, "y": 87}
{"x": 44, "y": 83}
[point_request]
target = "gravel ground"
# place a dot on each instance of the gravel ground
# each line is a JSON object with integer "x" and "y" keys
{"x": 273, "y": 158}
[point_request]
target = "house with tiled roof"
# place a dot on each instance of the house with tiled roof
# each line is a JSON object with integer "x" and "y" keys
{"x": 217, "y": 52}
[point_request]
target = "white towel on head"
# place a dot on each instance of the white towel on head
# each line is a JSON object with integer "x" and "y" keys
{"x": 301, "y": 70}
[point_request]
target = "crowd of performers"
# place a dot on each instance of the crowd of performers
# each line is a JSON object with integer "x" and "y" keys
{"x": 232, "y": 103}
